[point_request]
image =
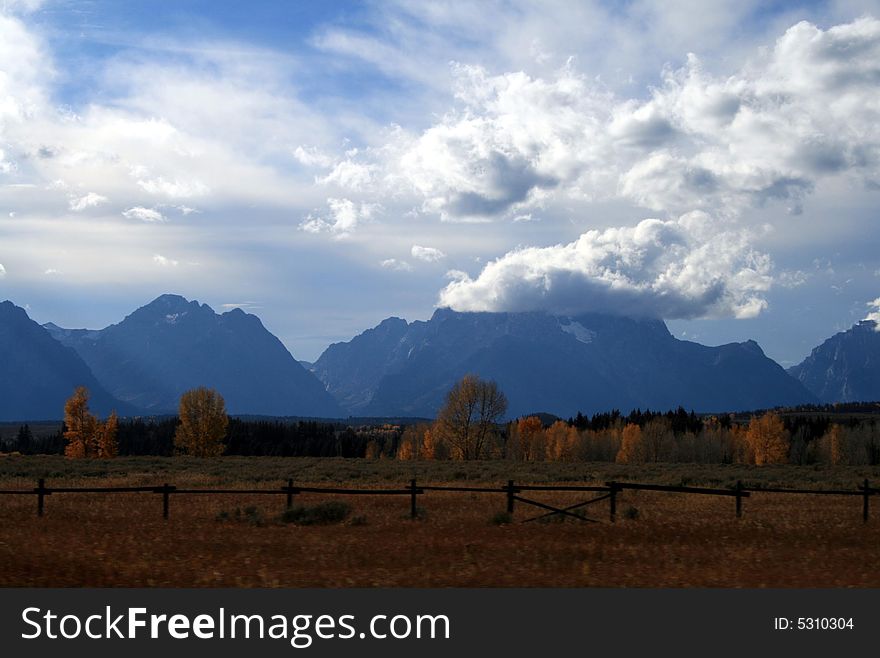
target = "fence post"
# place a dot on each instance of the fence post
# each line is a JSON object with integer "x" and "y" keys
{"x": 612, "y": 500}
{"x": 41, "y": 492}
{"x": 166, "y": 490}
{"x": 510, "y": 497}
{"x": 866, "y": 503}
{"x": 413, "y": 511}
{"x": 739, "y": 499}
{"x": 289, "y": 493}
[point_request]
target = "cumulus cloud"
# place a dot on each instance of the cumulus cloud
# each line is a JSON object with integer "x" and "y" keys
{"x": 395, "y": 264}
{"x": 427, "y": 254}
{"x": 6, "y": 166}
{"x": 873, "y": 315}
{"x": 311, "y": 156}
{"x": 803, "y": 111}
{"x": 90, "y": 200}
{"x": 143, "y": 214}
{"x": 349, "y": 174}
{"x": 162, "y": 261}
{"x": 342, "y": 218}
{"x": 681, "y": 268}
{"x": 175, "y": 189}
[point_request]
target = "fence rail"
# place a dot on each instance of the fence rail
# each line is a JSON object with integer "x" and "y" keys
{"x": 511, "y": 490}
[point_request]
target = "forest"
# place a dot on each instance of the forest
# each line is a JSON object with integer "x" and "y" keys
{"x": 841, "y": 434}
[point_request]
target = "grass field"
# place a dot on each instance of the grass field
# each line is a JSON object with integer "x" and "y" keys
{"x": 660, "y": 539}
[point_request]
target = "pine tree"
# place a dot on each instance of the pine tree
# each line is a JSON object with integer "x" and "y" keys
{"x": 24, "y": 440}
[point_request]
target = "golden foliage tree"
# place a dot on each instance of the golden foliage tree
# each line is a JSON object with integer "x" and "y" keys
{"x": 768, "y": 439}
{"x": 108, "y": 446}
{"x": 835, "y": 443}
{"x": 203, "y": 423}
{"x": 527, "y": 439}
{"x": 658, "y": 440}
{"x": 413, "y": 442}
{"x": 87, "y": 436}
{"x": 631, "y": 449}
{"x": 433, "y": 445}
{"x": 560, "y": 442}
{"x": 467, "y": 423}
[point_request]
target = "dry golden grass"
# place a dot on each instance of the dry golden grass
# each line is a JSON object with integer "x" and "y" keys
{"x": 676, "y": 541}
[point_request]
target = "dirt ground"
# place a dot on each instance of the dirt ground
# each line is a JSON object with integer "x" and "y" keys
{"x": 460, "y": 539}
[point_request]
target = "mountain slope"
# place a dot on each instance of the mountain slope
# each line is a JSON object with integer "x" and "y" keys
{"x": 544, "y": 363}
{"x": 171, "y": 345}
{"x": 37, "y": 374}
{"x": 846, "y": 367}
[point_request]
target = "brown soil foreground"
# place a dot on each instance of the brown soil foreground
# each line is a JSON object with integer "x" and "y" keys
{"x": 659, "y": 539}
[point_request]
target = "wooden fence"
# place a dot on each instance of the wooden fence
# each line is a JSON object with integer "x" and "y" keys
{"x": 609, "y": 491}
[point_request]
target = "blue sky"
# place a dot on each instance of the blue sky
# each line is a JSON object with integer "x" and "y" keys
{"x": 327, "y": 165}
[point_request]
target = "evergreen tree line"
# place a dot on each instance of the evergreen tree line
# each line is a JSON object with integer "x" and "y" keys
{"x": 640, "y": 436}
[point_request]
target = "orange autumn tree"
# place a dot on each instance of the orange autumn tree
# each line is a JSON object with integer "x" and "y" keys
{"x": 632, "y": 451}
{"x": 467, "y": 423}
{"x": 527, "y": 439}
{"x": 768, "y": 439}
{"x": 203, "y": 423}
{"x": 86, "y": 436}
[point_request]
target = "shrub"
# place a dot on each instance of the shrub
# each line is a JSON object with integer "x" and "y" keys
{"x": 501, "y": 518}
{"x": 250, "y": 515}
{"x": 333, "y": 511}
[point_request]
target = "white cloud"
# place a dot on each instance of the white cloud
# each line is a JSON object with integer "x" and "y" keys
{"x": 52, "y": 272}
{"x": 6, "y": 166}
{"x": 2, "y": 271}
{"x": 244, "y": 306}
{"x": 804, "y": 111}
{"x": 682, "y": 268}
{"x": 176, "y": 189}
{"x": 90, "y": 200}
{"x": 312, "y": 156}
{"x": 875, "y": 314}
{"x": 395, "y": 264}
{"x": 792, "y": 278}
{"x": 162, "y": 261}
{"x": 21, "y": 6}
{"x": 143, "y": 214}
{"x": 427, "y": 254}
{"x": 349, "y": 174}
{"x": 344, "y": 216}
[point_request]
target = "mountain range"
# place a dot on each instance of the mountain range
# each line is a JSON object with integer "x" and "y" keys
{"x": 172, "y": 345}
{"x": 543, "y": 363}
{"x": 37, "y": 373}
{"x": 846, "y": 367}
{"x": 587, "y": 363}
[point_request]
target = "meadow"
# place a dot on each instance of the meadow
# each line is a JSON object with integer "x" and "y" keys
{"x": 459, "y": 539}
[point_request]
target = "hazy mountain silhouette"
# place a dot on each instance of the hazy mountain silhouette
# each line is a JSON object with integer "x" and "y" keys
{"x": 846, "y": 367}
{"x": 172, "y": 344}
{"x": 38, "y": 374}
{"x": 588, "y": 363}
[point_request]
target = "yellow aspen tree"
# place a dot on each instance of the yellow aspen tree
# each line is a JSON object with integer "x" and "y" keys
{"x": 529, "y": 432}
{"x": 467, "y": 423}
{"x": 768, "y": 439}
{"x": 835, "y": 440}
{"x": 631, "y": 449}
{"x": 81, "y": 426}
{"x": 203, "y": 423}
{"x": 560, "y": 442}
{"x": 108, "y": 444}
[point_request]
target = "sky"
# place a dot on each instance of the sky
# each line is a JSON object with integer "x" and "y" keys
{"x": 326, "y": 165}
